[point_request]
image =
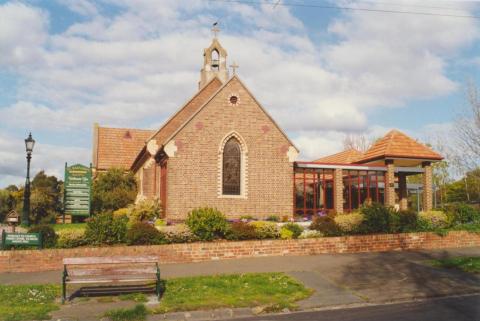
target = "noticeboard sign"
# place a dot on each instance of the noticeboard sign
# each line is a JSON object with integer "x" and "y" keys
{"x": 78, "y": 190}
{"x": 21, "y": 239}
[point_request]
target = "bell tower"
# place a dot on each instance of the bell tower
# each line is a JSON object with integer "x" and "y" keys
{"x": 214, "y": 62}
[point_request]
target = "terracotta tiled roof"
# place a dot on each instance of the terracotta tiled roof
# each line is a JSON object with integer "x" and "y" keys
{"x": 396, "y": 144}
{"x": 348, "y": 156}
{"x": 118, "y": 147}
{"x": 182, "y": 115}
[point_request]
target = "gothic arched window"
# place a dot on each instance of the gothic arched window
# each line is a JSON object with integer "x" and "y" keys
{"x": 232, "y": 160}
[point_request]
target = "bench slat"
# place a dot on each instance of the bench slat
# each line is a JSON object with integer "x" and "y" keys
{"x": 109, "y": 260}
{"x": 85, "y": 281}
{"x": 112, "y": 271}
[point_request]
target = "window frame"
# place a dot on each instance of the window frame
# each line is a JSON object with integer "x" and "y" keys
{"x": 243, "y": 167}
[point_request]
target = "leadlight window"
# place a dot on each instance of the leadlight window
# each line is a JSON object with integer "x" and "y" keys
{"x": 231, "y": 167}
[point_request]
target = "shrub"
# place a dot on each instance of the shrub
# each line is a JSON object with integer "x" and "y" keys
{"x": 247, "y": 218}
{"x": 241, "y": 231}
{"x": 326, "y": 225}
{"x": 376, "y": 218}
{"x": 273, "y": 218}
{"x": 106, "y": 229}
{"x": 49, "y": 237}
{"x": 310, "y": 234}
{"x": 350, "y": 222}
{"x": 433, "y": 220}
{"x": 68, "y": 238}
{"x": 146, "y": 210}
{"x": 179, "y": 233}
{"x": 124, "y": 211}
{"x": 404, "y": 221}
{"x": 462, "y": 213}
{"x": 286, "y": 234}
{"x": 142, "y": 233}
{"x": 265, "y": 230}
{"x": 285, "y": 218}
{"x": 207, "y": 223}
{"x": 294, "y": 228}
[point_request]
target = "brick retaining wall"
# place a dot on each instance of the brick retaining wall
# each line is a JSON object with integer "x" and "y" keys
{"x": 45, "y": 260}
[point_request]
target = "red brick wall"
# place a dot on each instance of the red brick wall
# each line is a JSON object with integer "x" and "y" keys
{"x": 44, "y": 260}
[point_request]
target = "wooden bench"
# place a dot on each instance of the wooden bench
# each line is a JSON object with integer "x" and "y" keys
{"x": 117, "y": 269}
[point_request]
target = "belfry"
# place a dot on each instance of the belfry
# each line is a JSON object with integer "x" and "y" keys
{"x": 214, "y": 62}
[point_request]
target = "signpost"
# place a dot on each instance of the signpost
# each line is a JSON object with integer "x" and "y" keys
{"x": 21, "y": 239}
{"x": 78, "y": 191}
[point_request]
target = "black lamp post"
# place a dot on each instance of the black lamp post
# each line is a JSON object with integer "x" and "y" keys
{"x": 29, "y": 143}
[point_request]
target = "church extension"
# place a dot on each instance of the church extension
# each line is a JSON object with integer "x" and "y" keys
{"x": 222, "y": 149}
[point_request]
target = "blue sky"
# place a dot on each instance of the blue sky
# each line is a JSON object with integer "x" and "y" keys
{"x": 322, "y": 73}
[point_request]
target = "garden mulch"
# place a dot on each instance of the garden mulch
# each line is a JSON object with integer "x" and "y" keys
{"x": 338, "y": 280}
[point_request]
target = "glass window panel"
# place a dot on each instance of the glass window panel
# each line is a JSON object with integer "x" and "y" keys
{"x": 231, "y": 167}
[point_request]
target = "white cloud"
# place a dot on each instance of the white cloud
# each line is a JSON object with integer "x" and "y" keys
{"x": 83, "y": 7}
{"x": 22, "y": 34}
{"x": 139, "y": 65}
{"x": 47, "y": 157}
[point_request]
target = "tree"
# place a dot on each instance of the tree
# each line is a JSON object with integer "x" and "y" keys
{"x": 6, "y": 203}
{"x": 358, "y": 142}
{"x": 467, "y": 129}
{"x": 112, "y": 190}
{"x": 46, "y": 198}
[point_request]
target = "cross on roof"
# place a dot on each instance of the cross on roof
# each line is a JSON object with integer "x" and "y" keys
{"x": 215, "y": 30}
{"x": 234, "y": 67}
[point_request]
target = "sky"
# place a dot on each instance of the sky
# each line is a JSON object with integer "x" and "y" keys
{"x": 321, "y": 72}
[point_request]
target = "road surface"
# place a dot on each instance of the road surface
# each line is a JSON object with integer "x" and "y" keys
{"x": 465, "y": 308}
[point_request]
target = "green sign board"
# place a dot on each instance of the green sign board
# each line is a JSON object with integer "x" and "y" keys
{"x": 78, "y": 190}
{"x": 24, "y": 239}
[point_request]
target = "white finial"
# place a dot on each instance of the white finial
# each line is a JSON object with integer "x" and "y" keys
{"x": 215, "y": 29}
{"x": 234, "y": 67}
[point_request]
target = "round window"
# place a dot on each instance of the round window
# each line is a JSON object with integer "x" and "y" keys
{"x": 233, "y": 100}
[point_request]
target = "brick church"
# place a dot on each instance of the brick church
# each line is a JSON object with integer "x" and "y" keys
{"x": 222, "y": 149}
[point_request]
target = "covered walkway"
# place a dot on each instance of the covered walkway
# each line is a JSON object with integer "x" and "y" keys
{"x": 345, "y": 181}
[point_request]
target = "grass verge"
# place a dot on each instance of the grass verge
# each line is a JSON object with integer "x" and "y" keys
{"x": 467, "y": 264}
{"x": 138, "y": 313}
{"x": 27, "y": 302}
{"x": 239, "y": 290}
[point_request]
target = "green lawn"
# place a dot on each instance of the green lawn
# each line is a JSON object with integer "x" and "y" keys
{"x": 74, "y": 226}
{"x": 27, "y": 302}
{"x": 239, "y": 290}
{"x": 273, "y": 290}
{"x": 138, "y": 313}
{"x": 467, "y": 264}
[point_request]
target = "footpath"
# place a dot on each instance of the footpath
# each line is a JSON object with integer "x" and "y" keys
{"x": 339, "y": 281}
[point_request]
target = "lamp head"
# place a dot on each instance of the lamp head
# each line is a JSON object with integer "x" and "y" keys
{"x": 29, "y": 143}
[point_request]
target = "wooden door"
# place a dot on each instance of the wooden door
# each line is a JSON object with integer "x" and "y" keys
{"x": 163, "y": 187}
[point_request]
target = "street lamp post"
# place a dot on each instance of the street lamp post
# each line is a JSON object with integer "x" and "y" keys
{"x": 29, "y": 143}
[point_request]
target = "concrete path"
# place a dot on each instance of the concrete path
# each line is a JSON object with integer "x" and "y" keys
{"x": 338, "y": 279}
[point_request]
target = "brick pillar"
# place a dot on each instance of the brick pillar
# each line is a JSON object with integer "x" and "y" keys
{"x": 402, "y": 188}
{"x": 338, "y": 192}
{"x": 427, "y": 186}
{"x": 390, "y": 183}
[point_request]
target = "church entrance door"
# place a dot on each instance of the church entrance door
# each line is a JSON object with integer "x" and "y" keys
{"x": 163, "y": 187}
